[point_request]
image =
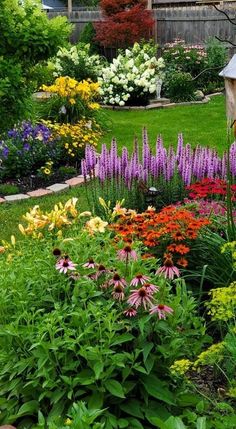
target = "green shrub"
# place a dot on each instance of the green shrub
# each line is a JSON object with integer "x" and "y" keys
{"x": 179, "y": 56}
{"x": 8, "y": 189}
{"x": 78, "y": 63}
{"x": 42, "y": 74}
{"x": 87, "y": 36}
{"x": 67, "y": 171}
{"x": 215, "y": 60}
{"x": 179, "y": 86}
{"x": 27, "y": 37}
{"x": 65, "y": 338}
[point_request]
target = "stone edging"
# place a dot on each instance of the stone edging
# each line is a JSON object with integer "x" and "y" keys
{"x": 78, "y": 180}
{"x": 160, "y": 105}
{"x": 53, "y": 189}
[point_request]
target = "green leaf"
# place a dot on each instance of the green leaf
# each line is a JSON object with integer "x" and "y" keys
{"x": 115, "y": 388}
{"x": 140, "y": 368}
{"x": 201, "y": 423}
{"x": 187, "y": 399}
{"x": 175, "y": 423}
{"x": 135, "y": 424}
{"x": 95, "y": 400}
{"x": 28, "y": 408}
{"x": 155, "y": 388}
{"x": 98, "y": 368}
{"x": 124, "y": 338}
{"x": 149, "y": 363}
{"x": 155, "y": 421}
{"x": 146, "y": 350}
{"x": 122, "y": 423}
{"x": 154, "y": 409}
{"x": 132, "y": 407}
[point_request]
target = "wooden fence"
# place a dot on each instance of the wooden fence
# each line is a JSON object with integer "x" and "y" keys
{"x": 195, "y": 24}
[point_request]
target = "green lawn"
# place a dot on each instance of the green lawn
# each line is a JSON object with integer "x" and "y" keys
{"x": 204, "y": 124}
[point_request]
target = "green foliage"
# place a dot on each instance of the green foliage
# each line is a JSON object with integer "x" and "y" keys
{"x": 179, "y": 86}
{"x": 8, "y": 189}
{"x": 15, "y": 93}
{"x": 64, "y": 340}
{"x": 78, "y": 62}
{"x": 202, "y": 62}
{"x": 87, "y": 35}
{"x": 216, "y": 59}
{"x": 42, "y": 74}
{"x": 27, "y": 37}
{"x": 67, "y": 171}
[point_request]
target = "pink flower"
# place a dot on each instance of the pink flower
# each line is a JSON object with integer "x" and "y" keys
{"x": 150, "y": 288}
{"x": 90, "y": 264}
{"x": 118, "y": 292}
{"x": 168, "y": 270}
{"x": 130, "y": 312}
{"x": 100, "y": 271}
{"x": 140, "y": 297}
{"x": 117, "y": 281}
{"x": 127, "y": 253}
{"x": 161, "y": 310}
{"x": 65, "y": 264}
{"x": 139, "y": 278}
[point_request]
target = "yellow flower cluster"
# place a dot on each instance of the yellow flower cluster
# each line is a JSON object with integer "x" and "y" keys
{"x": 231, "y": 247}
{"x": 47, "y": 168}
{"x": 212, "y": 355}
{"x": 223, "y": 303}
{"x": 69, "y": 88}
{"x": 180, "y": 367}
{"x": 96, "y": 224}
{"x": 76, "y": 136}
{"x": 39, "y": 221}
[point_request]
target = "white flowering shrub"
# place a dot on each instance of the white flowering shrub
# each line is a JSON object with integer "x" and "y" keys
{"x": 132, "y": 77}
{"x": 78, "y": 63}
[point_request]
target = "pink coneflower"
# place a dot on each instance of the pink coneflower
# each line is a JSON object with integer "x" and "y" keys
{"x": 139, "y": 278}
{"x": 100, "y": 270}
{"x": 65, "y": 264}
{"x": 130, "y": 312}
{"x": 127, "y": 253}
{"x": 89, "y": 264}
{"x": 117, "y": 281}
{"x": 161, "y": 310}
{"x": 140, "y": 297}
{"x": 168, "y": 269}
{"x": 118, "y": 292}
{"x": 150, "y": 288}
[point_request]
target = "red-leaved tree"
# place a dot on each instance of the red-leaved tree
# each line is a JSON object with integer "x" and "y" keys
{"x": 125, "y": 22}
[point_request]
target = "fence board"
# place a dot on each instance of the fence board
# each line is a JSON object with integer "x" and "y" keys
{"x": 194, "y": 24}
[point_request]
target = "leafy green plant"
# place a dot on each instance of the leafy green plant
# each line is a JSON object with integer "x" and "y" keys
{"x": 78, "y": 62}
{"x": 179, "y": 86}
{"x": 28, "y": 37}
{"x": 75, "y": 344}
{"x": 8, "y": 189}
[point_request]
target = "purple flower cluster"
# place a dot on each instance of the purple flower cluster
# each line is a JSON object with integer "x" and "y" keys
{"x": 27, "y": 131}
{"x": 190, "y": 163}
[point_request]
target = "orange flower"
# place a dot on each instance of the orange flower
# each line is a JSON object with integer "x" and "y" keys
{"x": 182, "y": 262}
{"x": 178, "y": 236}
{"x": 182, "y": 249}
